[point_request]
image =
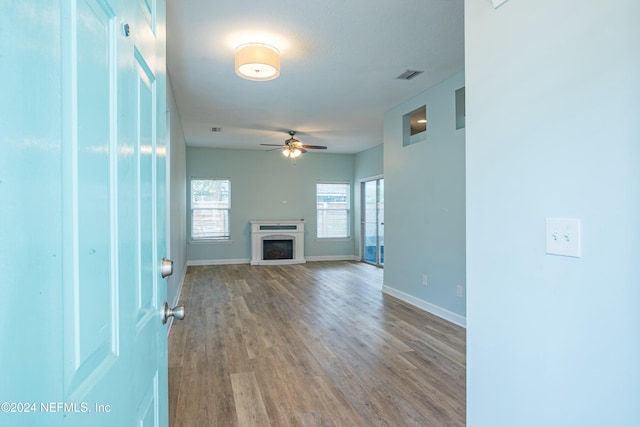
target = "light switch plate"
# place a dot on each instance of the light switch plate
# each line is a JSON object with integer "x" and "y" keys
{"x": 563, "y": 237}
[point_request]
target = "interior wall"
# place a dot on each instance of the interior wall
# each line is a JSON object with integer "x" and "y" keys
{"x": 177, "y": 198}
{"x": 266, "y": 186}
{"x": 368, "y": 163}
{"x": 553, "y": 100}
{"x": 425, "y": 205}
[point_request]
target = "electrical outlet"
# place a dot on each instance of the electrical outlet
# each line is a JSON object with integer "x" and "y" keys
{"x": 563, "y": 236}
{"x": 459, "y": 291}
{"x": 424, "y": 279}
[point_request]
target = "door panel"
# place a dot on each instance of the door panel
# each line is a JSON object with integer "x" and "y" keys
{"x": 92, "y": 338}
{"x": 145, "y": 149}
{"x": 147, "y": 412}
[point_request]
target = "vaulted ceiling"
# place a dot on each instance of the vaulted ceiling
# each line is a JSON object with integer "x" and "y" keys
{"x": 339, "y": 63}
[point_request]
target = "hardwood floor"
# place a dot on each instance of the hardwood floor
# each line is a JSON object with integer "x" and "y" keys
{"x": 313, "y": 344}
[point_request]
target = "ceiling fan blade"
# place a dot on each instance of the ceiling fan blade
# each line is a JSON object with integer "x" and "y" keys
{"x": 315, "y": 147}
{"x": 272, "y": 145}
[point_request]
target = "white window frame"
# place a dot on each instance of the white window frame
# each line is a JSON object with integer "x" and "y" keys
{"x": 323, "y": 232}
{"x": 222, "y": 210}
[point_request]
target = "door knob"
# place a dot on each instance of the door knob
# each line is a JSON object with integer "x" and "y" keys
{"x": 176, "y": 312}
{"x": 166, "y": 268}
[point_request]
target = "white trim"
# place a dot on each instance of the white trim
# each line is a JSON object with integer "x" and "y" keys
{"x": 198, "y": 262}
{"x": 349, "y": 211}
{"x": 426, "y": 306}
{"x": 176, "y": 300}
{"x": 191, "y": 209}
{"x": 332, "y": 258}
{"x": 279, "y": 261}
{"x": 360, "y": 242}
{"x": 324, "y": 181}
{"x": 370, "y": 178}
{"x": 217, "y": 262}
{"x": 211, "y": 242}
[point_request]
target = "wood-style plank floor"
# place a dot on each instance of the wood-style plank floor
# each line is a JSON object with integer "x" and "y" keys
{"x": 313, "y": 344}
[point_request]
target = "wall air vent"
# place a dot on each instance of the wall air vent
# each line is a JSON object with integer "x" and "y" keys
{"x": 216, "y": 129}
{"x": 409, "y": 74}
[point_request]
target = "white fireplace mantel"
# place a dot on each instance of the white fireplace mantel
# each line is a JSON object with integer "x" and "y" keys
{"x": 277, "y": 230}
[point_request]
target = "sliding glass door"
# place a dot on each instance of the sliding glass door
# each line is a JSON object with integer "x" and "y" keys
{"x": 373, "y": 221}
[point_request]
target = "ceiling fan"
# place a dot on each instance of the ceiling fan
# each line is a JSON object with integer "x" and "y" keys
{"x": 294, "y": 148}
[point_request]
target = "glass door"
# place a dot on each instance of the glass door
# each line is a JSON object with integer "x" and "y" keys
{"x": 373, "y": 221}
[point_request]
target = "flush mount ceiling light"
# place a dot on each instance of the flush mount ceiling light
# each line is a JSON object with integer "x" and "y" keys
{"x": 257, "y": 61}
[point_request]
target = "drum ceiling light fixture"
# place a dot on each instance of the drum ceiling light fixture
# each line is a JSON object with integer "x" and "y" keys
{"x": 257, "y": 61}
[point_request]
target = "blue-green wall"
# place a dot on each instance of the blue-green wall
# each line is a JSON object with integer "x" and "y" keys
{"x": 425, "y": 205}
{"x": 266, "y": 186}
{"x": 369, "y": 163}
{"x": 553, "y": 130}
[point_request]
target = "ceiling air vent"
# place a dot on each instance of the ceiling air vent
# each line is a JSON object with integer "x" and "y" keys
{"x": 409, "y": 74}
{"x": 216, "y": 129}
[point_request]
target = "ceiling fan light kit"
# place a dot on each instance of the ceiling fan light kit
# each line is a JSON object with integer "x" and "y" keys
{"x": 291, "y": 152}
{"x": 293, "y": 148}
{"x": 257, "y": 61}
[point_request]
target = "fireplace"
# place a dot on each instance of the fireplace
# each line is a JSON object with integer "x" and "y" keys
{"x": 277, "y": 242}
{"x": 277, "y": 249}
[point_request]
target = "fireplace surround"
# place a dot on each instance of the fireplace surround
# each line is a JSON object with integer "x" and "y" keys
{"x": 277, "y": 242}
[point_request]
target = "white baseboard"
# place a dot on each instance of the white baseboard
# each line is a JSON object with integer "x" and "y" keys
{"x": 279, "y": 261}
{"x": 217, "y": 262}
{"x": 427, "y": 306}
{"x": 248, "y": 261}
{"x": 176, "y": 300}
{"x": 331, "y": 258}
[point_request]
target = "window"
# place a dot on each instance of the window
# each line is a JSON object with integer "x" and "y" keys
{"x": 460, "y": 108}
{"x": 210, "y": 209}
{"x": 333, "y": 201}
{"x": 414, "y": 126}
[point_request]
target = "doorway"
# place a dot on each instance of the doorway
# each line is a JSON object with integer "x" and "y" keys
{"x": 372, "y": 242}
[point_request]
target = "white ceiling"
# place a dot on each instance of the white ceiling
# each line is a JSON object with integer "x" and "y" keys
{"x": 339, "y": 63}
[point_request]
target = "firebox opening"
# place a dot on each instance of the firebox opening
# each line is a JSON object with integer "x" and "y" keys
{"x": 277, "y": 249}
